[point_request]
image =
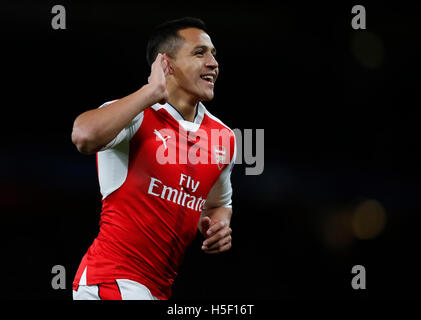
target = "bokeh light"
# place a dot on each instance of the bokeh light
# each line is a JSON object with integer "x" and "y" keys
{"x": 368, "y": 220}
{"x": 368, "y": 49}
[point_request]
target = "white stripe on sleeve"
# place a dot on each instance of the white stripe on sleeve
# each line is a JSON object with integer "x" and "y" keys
{"x": 127, "y": 133}
{"x": 221, "y": 193}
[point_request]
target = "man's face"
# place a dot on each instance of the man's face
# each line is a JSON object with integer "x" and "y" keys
{"x": 195, "y": 68}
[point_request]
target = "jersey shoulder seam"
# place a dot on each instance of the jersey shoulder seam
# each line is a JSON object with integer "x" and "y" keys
{"x": 217, "y": 120}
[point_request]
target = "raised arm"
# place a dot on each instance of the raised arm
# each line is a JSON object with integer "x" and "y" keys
{"x": 95, "y": 128}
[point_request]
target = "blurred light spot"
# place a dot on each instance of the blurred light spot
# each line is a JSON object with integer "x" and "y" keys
{"x": 368, "y": 49}
{"x": 337, "y": 230}
{"x": 368, "y": 220}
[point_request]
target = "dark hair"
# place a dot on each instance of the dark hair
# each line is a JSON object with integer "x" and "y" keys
{"x": 166, "y": 39}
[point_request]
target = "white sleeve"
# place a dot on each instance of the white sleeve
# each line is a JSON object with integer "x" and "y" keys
{"x": 127, "y": 133}
{"x": 221, "y": 192}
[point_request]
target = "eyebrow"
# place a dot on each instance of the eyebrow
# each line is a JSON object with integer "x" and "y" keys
{"x": 212, "y": 50}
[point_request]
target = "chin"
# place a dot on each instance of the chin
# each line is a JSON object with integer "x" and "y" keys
{"x": 208, "y": 96}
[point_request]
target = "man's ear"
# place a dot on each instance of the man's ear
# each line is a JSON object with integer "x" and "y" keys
{"x": 169, "y": 63}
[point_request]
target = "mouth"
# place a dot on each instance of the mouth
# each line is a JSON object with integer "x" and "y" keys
{"x": 209, "y": 78}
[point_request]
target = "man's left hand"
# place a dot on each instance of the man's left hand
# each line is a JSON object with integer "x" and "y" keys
{"x": 217, "y": 235}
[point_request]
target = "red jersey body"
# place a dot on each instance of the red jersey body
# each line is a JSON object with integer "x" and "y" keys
{"x": 156, "y": 176}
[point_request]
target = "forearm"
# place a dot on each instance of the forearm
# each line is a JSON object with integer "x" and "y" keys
{"x": 217, "y": 214}
{"x": 95, "y": 128}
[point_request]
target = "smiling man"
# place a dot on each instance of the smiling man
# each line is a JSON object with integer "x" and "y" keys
{"x": 150, "y": 210}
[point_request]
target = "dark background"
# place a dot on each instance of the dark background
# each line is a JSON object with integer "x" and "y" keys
{"x": 340, "y": 110}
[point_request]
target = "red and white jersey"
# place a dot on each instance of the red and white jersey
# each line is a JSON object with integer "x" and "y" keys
{"x": 155, "y": 178}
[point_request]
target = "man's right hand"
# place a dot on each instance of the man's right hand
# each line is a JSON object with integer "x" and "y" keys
{"x": 95, "y": 128}
{"x": 157, "y": 79}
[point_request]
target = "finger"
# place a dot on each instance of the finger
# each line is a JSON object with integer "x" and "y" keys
{"x": 216, "y": 227}
{"x": 220, "y": 243}
{"x": 214, "y": 243}
{"x": 220, "y": 249}
{"x": 205, "y": 223}
{"x": 217, "y": 237}
{"x": 157, "y": 60}
{"x": 158, "y": 63}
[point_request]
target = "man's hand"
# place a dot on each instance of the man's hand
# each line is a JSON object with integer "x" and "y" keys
{"x": 217, "y": 235}
{"x": 95, "y": 128}
{"x": 159, "y": 70}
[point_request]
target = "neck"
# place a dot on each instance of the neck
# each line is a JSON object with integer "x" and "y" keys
{"x": 184, "y": 103}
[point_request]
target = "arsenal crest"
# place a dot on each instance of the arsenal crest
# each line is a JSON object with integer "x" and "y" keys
{"x": 219, "y": 153}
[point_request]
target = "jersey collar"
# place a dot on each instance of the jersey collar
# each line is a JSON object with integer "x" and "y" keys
{"x": 187, "y": 125}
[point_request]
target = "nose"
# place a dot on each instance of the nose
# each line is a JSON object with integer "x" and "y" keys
{"x": 211, "y": 62}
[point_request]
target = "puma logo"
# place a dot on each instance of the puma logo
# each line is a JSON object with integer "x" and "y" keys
{"x": 164, "y": 140}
